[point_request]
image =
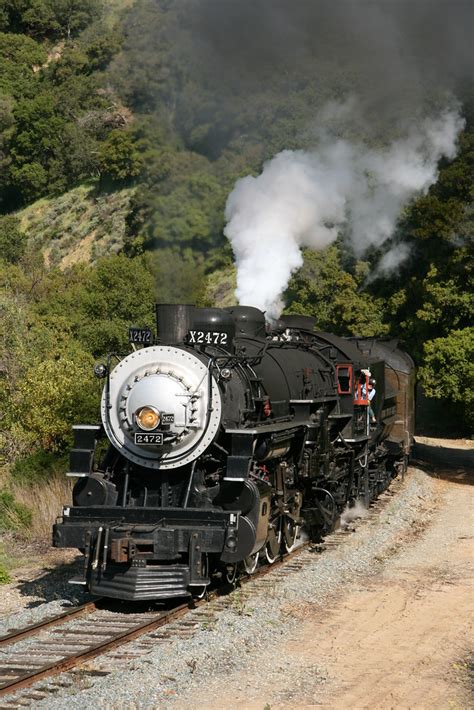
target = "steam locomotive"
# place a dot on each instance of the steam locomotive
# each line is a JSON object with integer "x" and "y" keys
{"x": 223, "y": 441}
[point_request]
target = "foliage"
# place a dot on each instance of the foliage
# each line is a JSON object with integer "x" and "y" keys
{"x": 19, "y": 54}
{"x": 178, "y": 274}
{"x": 51, "y": 396}
{"x": 54, "y": 109}
{"x": 448, "y": 369}
{"x": 52, "y": 327}
{"x": 323, "y": 289}
{"x": 431, "y": 301}
{"x": 37, "y": 466}
{"x": 81, "y": 225}
{"x": 119, "y": 158}
{"x": 13, "y": 515}
{"x": 54, "y": 18}
{"x": 12, "y": 240}
{"x": 180, "y": 205}
{"x": 101, "y": 302}
{"x": 220, "y": 288}
{"x": 4, "y": 574}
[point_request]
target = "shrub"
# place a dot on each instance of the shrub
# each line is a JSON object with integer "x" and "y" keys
{"x": 447, "y": 371}
{"x": 12, "y": 240}
{"x": 4, "y": 576}
{"x": 38, "y": 466}
{"x": 13, "y": 515}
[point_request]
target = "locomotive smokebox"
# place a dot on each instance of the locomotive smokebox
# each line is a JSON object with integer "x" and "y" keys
{"x": 173, "y": 320}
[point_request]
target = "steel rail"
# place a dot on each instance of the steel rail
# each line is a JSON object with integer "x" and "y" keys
{"x": 117, "y": 639}
{"x": 48, "y": 622}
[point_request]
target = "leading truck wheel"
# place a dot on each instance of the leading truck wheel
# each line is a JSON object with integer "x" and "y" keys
{"x": 199, "y": 592}
{"x": 250, "y": 563}
{"x": 273, "y": 543}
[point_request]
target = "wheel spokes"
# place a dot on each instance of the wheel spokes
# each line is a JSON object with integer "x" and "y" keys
{"x": 290, "y": 534}
{"x": 273, "y": 543}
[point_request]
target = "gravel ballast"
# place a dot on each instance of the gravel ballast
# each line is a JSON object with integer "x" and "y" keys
{"x": 246, "y": 632}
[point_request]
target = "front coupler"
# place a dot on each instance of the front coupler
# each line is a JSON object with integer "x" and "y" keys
{"x": 147, "y": 553}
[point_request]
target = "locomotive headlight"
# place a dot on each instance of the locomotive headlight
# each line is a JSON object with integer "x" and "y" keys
{"x": 148, "y": 418}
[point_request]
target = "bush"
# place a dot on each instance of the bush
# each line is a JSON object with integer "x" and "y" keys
{"x": 448, "y": 370}
{"x": 12, "y": 240}
{"x": 4, "y": 576}
{"x": 38, "y": 466}
{"x": 55, "y": 393}
{"x": 13, "y": 515}
{"x": 30, "y": 180}
{"x": 119, "y": 157}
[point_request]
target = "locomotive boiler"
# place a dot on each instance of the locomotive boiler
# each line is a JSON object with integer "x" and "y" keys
{"x": 222, "y": 439}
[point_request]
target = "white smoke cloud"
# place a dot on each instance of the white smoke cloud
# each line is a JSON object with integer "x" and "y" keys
{"x": 303, "y": 199}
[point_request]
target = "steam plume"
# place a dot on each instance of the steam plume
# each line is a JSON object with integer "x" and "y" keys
{"x": 304, "y": 199}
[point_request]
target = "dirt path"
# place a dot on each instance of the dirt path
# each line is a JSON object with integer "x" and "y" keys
{"x": 400, "y": 640}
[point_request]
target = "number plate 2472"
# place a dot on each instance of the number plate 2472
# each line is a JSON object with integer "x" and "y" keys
{"x": 149, "y": 439}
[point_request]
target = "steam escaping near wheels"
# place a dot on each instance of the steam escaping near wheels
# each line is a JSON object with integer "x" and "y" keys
{"x": 356, "y": 511}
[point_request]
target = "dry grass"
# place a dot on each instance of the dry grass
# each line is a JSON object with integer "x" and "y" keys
{"x": 80, "y": 225}
{"x": 45, "y": 500}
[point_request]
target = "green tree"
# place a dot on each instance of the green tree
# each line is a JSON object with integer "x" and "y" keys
{"x": 119, "y": 157}
{"x": 49, "y": 18}
{"x": 180, "y": 205}
{"x": 53, "y": 395}
{"x": 101, "y": 302}
{"x": 52, "y": 326}
{"x": 31, "y": 180}
{"x": 38, "y": 18}
{"x": 12, "y": 240}
{"x": 179, "y": 275}
{"x": 19, "y": 55}
{"x": 447, "y": 371}
{"x": 323, "y": 289}
{"x": 73, "y": 16}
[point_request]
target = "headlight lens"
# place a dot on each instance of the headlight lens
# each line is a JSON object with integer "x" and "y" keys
{"x": 148, "y": 418}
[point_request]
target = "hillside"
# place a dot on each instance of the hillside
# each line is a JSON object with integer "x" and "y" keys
{"x": 80, "y": 225}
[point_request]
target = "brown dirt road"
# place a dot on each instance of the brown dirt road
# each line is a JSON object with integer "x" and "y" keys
{"x": 400, "y": 640}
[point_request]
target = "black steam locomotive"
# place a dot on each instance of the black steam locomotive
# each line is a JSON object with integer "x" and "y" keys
{"x": 227, "y": 440}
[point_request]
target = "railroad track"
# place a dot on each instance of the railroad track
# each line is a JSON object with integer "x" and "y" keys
{"x": 64, "y": 642}
{"x": 64, "y": 648}
{"x": 46, "y": 623}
